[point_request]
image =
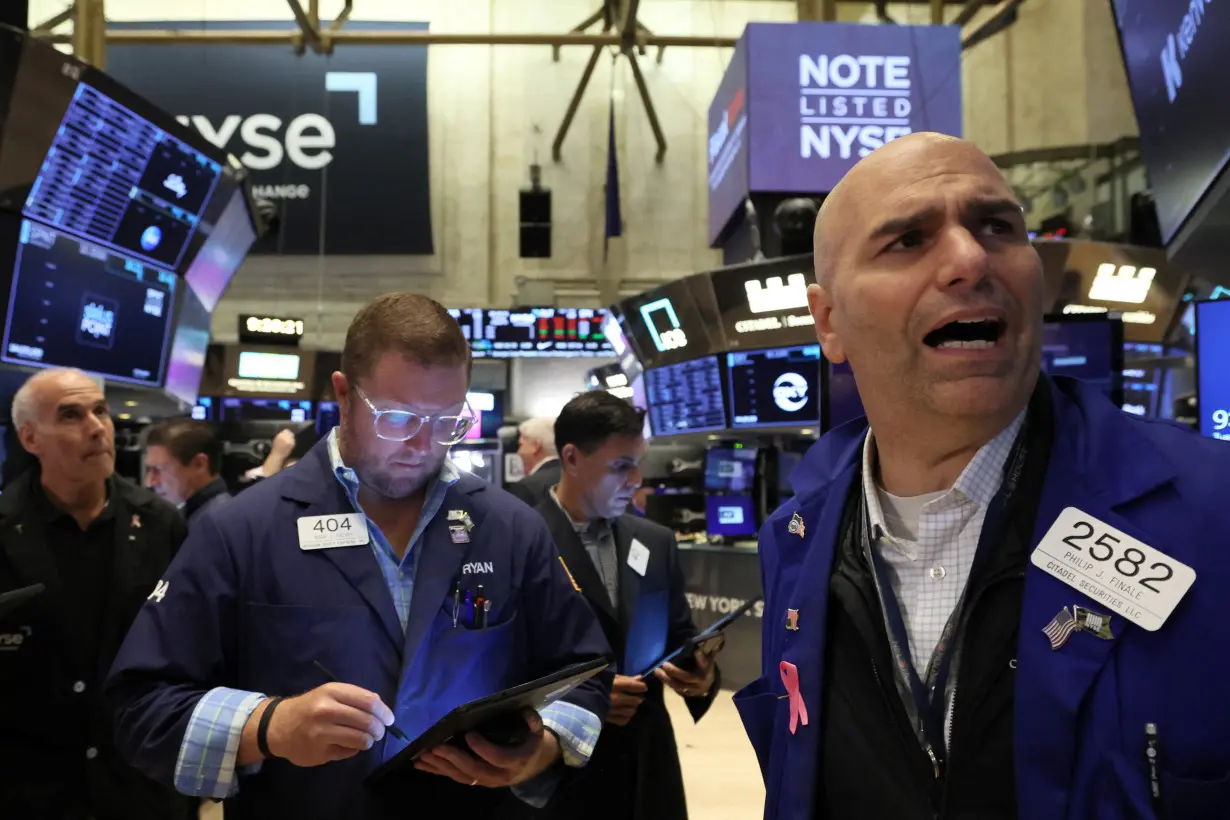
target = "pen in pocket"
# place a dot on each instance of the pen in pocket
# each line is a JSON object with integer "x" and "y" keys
{"x": 1153, "y": 755}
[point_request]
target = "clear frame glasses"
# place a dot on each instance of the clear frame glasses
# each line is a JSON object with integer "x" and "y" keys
{"x": 403, "y": 425}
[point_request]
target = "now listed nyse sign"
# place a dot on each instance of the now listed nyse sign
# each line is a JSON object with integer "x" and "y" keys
{"x": 339, "y": 143}
{"x": 821, "y": 96}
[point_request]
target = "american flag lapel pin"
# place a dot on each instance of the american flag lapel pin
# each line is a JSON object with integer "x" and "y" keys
{"x": 136, "y": 522}
{"x": 1060, "y": 628}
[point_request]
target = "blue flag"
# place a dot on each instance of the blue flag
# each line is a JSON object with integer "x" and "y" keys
{"x": 614, "y": 219}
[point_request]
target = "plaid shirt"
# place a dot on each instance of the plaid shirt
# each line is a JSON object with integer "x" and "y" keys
{"x": 207, "y": 757}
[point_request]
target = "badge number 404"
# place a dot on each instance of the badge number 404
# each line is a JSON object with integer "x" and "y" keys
{"x": 328, "y": 531}
{"x": 1112, "y": 568}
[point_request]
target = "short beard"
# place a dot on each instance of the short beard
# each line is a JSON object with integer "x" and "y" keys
{"x": 372, "y": 477}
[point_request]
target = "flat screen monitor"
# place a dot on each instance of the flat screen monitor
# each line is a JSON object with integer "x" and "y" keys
{"x": 229, "y": 234}
{"x": 1213, "y": 367}
{"x": 259, "y": 364}
{"x": 1145, "y": 380}
{"x": 241, "y": 410}
{"x": 730, "y": 516}
{"x": 534, "y": 332}
{"x": 686, "y": 397}
{"x": 114, "y": 178}
{"x": 730, "y": 469}
{"x": 75, "y": 303}
{"x": 188, "y": 346}
{"x": 778, "y": 387}
{"x": 1088, "y": 347}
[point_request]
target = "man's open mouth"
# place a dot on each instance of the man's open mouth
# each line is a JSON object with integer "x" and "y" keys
{"x": 966, "y": 334}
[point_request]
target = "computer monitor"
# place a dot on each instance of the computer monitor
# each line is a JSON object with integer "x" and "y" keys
{"x": 1213, "y": 367}
{"x": 245, "y": 410}
{"x": 730, "y": 469}
{"x": 231, "y": 234}
{"x": 778, "y": 387}
{"x": 1088, "y": 347}
{"x": 730, "y": 516}
{"x": 188, "y": 346}
{"x": 686, "y": 397}
{"x": 75, "y": 303}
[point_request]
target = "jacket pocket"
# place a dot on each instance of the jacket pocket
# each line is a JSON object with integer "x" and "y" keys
{"x": 759, "y": 707}
{"x": 1191, "y": 799}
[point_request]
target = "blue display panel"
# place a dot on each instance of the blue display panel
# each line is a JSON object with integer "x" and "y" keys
{"x": 779, "y": 387}
{"x": 1213, "y": 367}
{"x": 685, "y": 397}
{"x": 117, "y": 179}
{"x": 74, "y": 303}
{"x": 730, "y": 469}
{"x": 188, "y": 348}
{"x": 730, "y": 516}
{"x": 237, "y": 409}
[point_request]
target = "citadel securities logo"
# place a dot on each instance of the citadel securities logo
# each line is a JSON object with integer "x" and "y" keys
{"x": 852, "y": 103}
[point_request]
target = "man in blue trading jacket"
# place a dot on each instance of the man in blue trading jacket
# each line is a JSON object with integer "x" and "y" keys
{"x": 351, "y": 562}
{"x": 628, "y": 569}
{"x": 983, "y": 606}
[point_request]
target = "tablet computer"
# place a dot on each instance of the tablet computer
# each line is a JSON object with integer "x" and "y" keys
{"x": 706, "y": 641}
{"x": 498, "y": 717}
{"x": 15, "y": 598}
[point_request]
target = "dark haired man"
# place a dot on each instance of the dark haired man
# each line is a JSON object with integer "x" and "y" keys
{"x": 182, "y": 460}
{"x": 628, "y": 569}
{"x": 354, "y": 562}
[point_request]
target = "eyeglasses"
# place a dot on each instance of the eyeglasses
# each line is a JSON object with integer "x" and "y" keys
{"x": 403, "y": 425}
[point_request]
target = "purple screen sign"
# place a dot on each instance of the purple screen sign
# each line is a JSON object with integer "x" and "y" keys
{"x": 728, "y": 143}
{"x": 815, "y": 98}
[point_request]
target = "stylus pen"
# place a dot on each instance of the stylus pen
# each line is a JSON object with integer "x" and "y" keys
{"x": 393, "y": 730}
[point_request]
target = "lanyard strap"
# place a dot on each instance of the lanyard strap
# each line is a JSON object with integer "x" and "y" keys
{"x": 925, "y": 697}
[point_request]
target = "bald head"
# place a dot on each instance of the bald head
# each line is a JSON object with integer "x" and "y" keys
{"x": 63, "y": 420}
{"x": 893, "y": 168}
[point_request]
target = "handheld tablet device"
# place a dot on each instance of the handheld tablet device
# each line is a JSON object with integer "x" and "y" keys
{"x": 705, "y": 641}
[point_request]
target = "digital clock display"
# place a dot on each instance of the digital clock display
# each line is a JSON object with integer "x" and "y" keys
{"x": 270, "y": 328}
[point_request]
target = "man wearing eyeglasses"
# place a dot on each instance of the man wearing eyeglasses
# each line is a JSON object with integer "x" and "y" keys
{"x": 325, "y": 611}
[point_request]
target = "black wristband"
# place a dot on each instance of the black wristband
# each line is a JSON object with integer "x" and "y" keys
{"x": 262, "y": 728}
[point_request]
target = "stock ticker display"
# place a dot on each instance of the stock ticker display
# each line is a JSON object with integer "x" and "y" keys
{"x": 77, "y": 304}
{"x": 115, "y": 178}
{"x": 534, "y": 333}
{"x": 685, "y": 397}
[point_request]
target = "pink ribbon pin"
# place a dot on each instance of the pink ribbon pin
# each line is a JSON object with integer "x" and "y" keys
{"x": 798, "y": 709}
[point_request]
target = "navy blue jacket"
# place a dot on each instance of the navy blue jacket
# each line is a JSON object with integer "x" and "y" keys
{"x": 245, "y": 607}
{"x": 1080, "y": 712}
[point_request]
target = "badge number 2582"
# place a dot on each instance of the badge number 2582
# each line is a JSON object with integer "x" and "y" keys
{"x": 1113, "y": 569}
{"x": 318, "y": 532}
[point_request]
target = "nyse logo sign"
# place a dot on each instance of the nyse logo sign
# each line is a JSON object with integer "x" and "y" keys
{"x": 667, "y": 337}
{"x": 1124, "y": 283}
{"x": 1178, "y": 45}
{"x": 308, "y": 137}
{"x": 848, "y": 100}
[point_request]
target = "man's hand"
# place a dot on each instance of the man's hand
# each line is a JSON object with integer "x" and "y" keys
{"x": 495, "y": 766}
{"x": 331, "y": 722}
{"x": 691, "y": 684}
{"x": 626, "y": 697}
{"x": 281, "y": 446}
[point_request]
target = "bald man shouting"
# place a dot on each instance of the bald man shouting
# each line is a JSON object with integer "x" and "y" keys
{"x": 997, "y": 596}
{"x": 99, "y": 545}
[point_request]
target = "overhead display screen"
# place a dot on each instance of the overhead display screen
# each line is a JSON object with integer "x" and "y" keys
{"x": 728, "y": 143}
{"x": 191, "y": 340}
{"x": 1213, "y": 367}
{"x": 234, "y": 409}
{"x": 230, "y": 234}
{"x": 1175, "y": 55}
{"x": 1089, "y": 348}
{"x": 666, "y": 324}
{"x": 685, "y": 397}
{"x": 534, "y": 333}
{"x": 74, "y": 303}
{"x": 115, "y": 178}
{"x": 765, "y": 304}
{"x": 779, "y": 387}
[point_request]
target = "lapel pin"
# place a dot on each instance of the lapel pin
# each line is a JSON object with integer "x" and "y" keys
{"x": 798, "y": 708}
{"x": 136, "y": 522}
{"x": 569, "y": 572}
{"x": 792, "y": 620}
{"x": 796, "y": 526}
{"x": 459, "y": 533}
{"x": 1060, "y": 628}
{"x": 1095, "y": 623}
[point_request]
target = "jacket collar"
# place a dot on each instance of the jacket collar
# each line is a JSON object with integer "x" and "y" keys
{"x": 212, "y": 490}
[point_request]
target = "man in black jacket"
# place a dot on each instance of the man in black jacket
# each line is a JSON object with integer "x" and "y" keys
{"x": 536, "y": 447}
{"x": 183, "y": 459}
{"x": 628, "y": 569}
{"x": 99, "y": 544}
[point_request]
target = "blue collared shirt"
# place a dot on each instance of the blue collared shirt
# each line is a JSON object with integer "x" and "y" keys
{"x": 207, "y": 757}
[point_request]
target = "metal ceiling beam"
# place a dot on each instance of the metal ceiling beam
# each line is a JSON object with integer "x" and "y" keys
{"x": 968, "y": 11}
{"x": 54, "y": 21}
{"x": 389, "y": 38}
{"x": 1003, "y": 19}
{"x": 557, "y": 146}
